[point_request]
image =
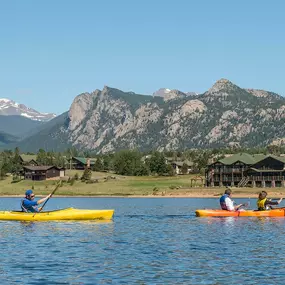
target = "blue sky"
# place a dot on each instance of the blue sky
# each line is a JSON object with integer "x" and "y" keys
{"x": 51, "y": 51}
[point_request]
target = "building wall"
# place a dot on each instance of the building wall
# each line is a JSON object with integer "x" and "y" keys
{"x": 219, "y": 174}
{"x": 38, "y": 175}
{"x": 53, "y": 172}
{"x": 35, "y": 175}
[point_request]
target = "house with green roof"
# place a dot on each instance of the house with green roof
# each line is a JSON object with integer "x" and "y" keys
{"x": 29, "y": 159}
{"x": 178, "y": 166}
{"x": 244, "y": 169}
{"x": 80, "y": 163}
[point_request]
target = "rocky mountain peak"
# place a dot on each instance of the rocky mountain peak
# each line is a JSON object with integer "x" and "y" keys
{"x": 111, "y": 119}
{"x": 169, "y": 94}
{"x": 222, "y": 85}
{"x": 9, "y": 107}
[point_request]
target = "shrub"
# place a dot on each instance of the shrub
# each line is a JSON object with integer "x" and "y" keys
{"x": 76, "y": 176}
{"x": 16, "y": 179}
{"x": 155, "y": 191}
{"x": 72, "y": 181}
{"x": 86, "y": 174}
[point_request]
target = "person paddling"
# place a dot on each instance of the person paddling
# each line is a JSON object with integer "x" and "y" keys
{"x": 263, "y": 203}
{"x": 227, "y": 203}
{"x": 29, "y": 205}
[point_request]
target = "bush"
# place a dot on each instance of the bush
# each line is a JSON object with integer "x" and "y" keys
{"x": 71, "y": 181}
{"x": 154, "y": 191}
{"x": 86, "y": 175}
{"x": 76, "y": 176}
{"x": 16, "y": 179}
{"x": 170, "y": 170}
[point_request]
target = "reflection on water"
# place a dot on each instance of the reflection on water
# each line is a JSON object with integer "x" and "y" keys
{"x": 150, "y": 241}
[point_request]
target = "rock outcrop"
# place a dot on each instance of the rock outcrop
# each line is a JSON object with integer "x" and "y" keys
{"x": 226, "y": 115}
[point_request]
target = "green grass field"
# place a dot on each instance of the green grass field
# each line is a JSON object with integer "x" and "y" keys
{"x": 127, "y": 186}
{"x": 113, "y": 185}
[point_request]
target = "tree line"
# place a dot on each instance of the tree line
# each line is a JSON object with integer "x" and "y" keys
{"x": 129, "y": 162}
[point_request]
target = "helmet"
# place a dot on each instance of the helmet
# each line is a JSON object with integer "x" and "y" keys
{"x": 29, "y": 192}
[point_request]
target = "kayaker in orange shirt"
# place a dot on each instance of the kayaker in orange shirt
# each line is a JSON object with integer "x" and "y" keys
{"x": 264, "y": 204}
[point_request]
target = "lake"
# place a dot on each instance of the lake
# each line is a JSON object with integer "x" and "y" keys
{"x": 149, "y": 241}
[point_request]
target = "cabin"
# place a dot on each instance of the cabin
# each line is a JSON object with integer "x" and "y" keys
{"x": 28, "y": 159}
{"x": 178, "y": 165}
{"x": 80, "y": 163}
{"x": 245, "y": 170}
{"x": 39, "y": 173}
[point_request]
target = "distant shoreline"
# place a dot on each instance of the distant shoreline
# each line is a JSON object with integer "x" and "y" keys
{"x": 190, "y": 195}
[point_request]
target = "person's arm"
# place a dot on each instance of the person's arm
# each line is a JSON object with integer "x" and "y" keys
{"x": 268, "y": 202}
{"x": 43, "y": 199}
{"x": 238, "y": 206}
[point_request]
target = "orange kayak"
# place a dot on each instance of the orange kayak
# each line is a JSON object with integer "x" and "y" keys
{"x": 248, "y": 213}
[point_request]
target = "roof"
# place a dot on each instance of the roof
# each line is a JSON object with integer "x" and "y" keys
{"x": 180, "y": 163}
{"x": 28, "y": 157}
{"x": 83, "y": 160}
{"x": 248, "y": 159}
{"x": 242, "y": 157}
{"x": 42, "y": 167}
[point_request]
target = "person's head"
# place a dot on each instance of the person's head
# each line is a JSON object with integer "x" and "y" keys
{"x": 228, "y": 192}
{"x": 29, "y": 194}
{"x": 262, "y": 195}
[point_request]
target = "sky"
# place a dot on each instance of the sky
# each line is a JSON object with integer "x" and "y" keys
{"x": 53, "y": 50}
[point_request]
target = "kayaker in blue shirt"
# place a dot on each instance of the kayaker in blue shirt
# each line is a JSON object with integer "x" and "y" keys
{"x": 29, "y": 205}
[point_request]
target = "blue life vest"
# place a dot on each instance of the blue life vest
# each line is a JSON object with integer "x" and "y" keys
{"x": 28, "y": 208}
{"x": 22, "y": 206}
{"x": 223, "y": 201}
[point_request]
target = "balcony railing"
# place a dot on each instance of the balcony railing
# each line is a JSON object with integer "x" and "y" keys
{"x": 227, "y": 179}
{"x": 229, "y": 170}
{"x": 251, "y": 178}
{"x": 266, "y": 178}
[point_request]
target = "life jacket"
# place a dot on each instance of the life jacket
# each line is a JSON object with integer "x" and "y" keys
{"x": 261, "y": 204}
{"x": 223, "y": 202}
{"x": 31, "y": 209}
{"x": 22, "y": 206}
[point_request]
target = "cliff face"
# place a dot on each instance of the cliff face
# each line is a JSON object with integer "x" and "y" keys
{"x": 225, "y": 115}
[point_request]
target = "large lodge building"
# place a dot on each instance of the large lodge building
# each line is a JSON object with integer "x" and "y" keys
{"x": 245, "y": 170}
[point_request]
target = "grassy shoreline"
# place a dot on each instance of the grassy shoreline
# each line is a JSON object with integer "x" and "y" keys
{"x": 111, "y": 185}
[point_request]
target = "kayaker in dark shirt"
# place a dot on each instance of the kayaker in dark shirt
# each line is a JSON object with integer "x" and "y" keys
{"x": 29, "y": 205}
{"x": 264, "y": 204}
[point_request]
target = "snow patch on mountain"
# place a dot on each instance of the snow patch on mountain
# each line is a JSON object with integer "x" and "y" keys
{"x": 9, "y": 107}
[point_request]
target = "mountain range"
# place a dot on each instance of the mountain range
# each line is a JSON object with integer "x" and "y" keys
{"x": 9, "y": 107}
{"x": 109, "y": 119}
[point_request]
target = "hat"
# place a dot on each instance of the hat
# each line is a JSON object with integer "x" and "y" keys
{"x": 29, "y": 192}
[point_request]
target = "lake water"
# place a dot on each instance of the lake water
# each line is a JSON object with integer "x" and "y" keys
{"x": 149, "y": 241}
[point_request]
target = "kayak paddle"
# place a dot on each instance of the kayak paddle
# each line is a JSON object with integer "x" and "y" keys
{"x": 58, "y": 184}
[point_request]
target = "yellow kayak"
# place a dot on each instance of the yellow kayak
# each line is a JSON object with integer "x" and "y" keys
{"x": 64, "y": 214}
